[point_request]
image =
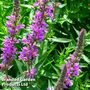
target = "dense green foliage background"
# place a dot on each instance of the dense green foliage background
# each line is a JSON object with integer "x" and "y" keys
{"x": 70, "y": 16}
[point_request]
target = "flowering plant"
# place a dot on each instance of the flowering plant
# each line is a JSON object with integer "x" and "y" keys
{"x": 39, "y": 49}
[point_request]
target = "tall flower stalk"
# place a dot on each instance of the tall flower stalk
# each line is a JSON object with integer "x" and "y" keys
{"x": 72, "y": 67}
{"x": 9, "y": 49}
{"x": 39, "y": 28}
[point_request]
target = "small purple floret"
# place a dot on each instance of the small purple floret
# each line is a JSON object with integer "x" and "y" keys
{"x": 31, "y": 73}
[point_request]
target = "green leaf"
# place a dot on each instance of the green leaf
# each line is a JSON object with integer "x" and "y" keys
{"x": 76, "y": 30}
{"x": 87, "y": 36}
{"x": 83, "y": 65}
{"x": 87, "y": 41}
{"x": 1, "y": 76}
{"x": 27, "y": 6}
{"x": 62, "y": 5}
{"x": 56, "y": 70}
{"x": 86, "y": 59}
{"x": 87, "y": 48}
{"x": 60, "y": 40}
{"x": 19, "y": 65}
{"x": 88, "y": 86}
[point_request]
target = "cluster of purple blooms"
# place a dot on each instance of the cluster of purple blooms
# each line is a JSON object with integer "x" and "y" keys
{"x": 9, "y": 49}
{"x": 39, "y": 28}
{"x": 48, "y": 9}
{"x": 12, "y": 25}
{"x": 73, "y": 69}
{"x": 30, "y": 50}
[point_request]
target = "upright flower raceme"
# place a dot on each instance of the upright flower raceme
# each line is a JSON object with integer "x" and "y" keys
{"x": 30, "y": 50}
{"x": 9, "y": 49}
{"x": 71, "y": 68}
{"x": 11, "y": 25}
{"x": 39, "y": 28}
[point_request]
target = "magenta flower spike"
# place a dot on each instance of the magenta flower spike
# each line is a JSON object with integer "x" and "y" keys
{"x": 39, "y": 28}
{"x": 9, "y": 49}
{"x": 71, "y": 68}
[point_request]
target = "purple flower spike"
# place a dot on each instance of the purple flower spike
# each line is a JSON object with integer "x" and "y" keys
{"x": 72, "y": 70}
{"x": 39, "y": 28}
{"x": 71, "y": 67}
{"x": 27, "y": 53}
{"x": 8, "y": 50}
{"x": 11, "y": 25}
